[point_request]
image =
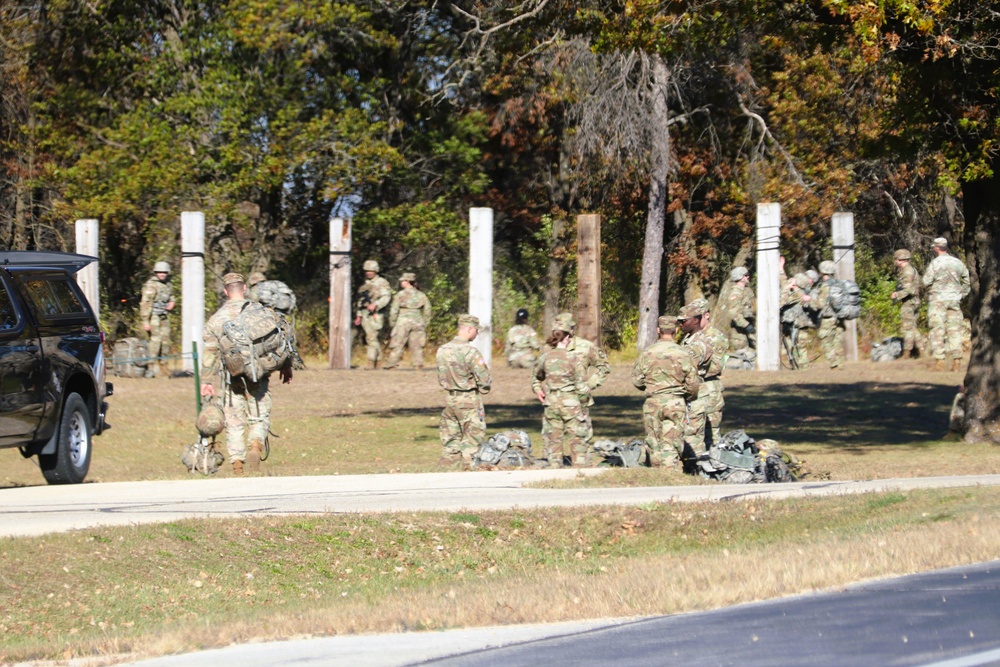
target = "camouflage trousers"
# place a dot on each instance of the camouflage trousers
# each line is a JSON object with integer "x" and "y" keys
{"x": 565, "y": 429}
{"x": 407, "y": 332}
{"x": 705, "y": 417}
{"x": 371, "y": 324}
{"x": 739, "y": 340}
{"x": 247, "y": 408}
{"x": 463, "y": 425}
{"x": 831, "y": 340}
{"x": 800, "y": 348}
{"x": 944, "y": 318}
{"x": 521, "y": 358}
{"x": 908, "y": 323}
{"x": 159, "y": 344}
{"x": 665, "y": 417}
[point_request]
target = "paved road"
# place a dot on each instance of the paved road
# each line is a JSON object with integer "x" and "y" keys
{"x": 948, "y": 618}
{"x": 45, "y": 509}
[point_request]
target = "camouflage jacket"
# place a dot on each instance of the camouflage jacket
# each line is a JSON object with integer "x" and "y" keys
{"x": 410, "y": 304}
{"x": 946, "y": 279}
{"x": 520, "y": 338}
{"x": 377, "y": 290}
{"x": 155, "y": 297}
{"x": 211, "y": 362}
{"x": 666, "y": 368}
{"x": 460, "y": 367}
{"x": 740, "y": 306}
{"x": 907, "y": 284}
{"x": 821, "y": 300}
{"x": 590, "y": 356}
{"x": 556, "y": 370}
{"x": 708, "y": 349}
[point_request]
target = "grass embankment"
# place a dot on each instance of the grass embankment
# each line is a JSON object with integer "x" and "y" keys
{"x": 148, "y": 590}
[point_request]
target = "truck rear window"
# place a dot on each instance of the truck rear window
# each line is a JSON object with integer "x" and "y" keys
{"x": 52, "y": 298}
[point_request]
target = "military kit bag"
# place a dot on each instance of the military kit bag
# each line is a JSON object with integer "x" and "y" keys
{"x": 845, "y": 299}
{"x": 739, "y": 459}
{"x": 889, "y": 349}
{"x": 202, "y": 457}
{"x": 742, "y": 360}
{"x": 505, "y": 450}
{"x": 131, "y": 357}
{"x": 277, "y": 295}
{"x": 622, "y": 454}
{"x": 256, "y": 343}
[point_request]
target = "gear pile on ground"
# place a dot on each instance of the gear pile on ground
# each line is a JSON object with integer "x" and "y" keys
{"x": 202, "y": 457}
{"x": 889, "y": 349}
{"x": 622, "y": 453}
{"x": 739, "y": 459}
{"x": 505, "y": 450}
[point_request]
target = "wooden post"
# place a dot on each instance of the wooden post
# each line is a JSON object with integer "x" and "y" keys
{"x": 481, "y": 277}
{"x": 88, "y": 243}
{"x": 193, "y": 284}
{"x": 768, "y": 288}
{"x": 843, "y": 257}
{"x": 588, "y": 277}
{"x": 340, "y": 293}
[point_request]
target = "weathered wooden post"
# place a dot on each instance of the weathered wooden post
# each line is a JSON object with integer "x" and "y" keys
{"x": 768, "y": 290}
{"x": 193, "y": 283}
{"x": 843, "y": 257}
{"x": 88, "y": 243}
{"x": 340, "y": 293}
{"x": 588, "y": 277}
{"x": 481, "y": 277}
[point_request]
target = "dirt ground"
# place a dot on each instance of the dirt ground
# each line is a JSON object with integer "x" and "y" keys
{"x": 866, "y": 421}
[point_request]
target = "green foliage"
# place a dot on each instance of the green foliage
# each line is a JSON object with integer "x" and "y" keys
{"x": 876, "y": 279}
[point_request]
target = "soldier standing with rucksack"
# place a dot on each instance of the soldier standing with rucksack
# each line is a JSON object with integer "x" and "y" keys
{"x": 831, "y": 327}
{"x": 154, "y": 314}
{"x": 246, "y": 396}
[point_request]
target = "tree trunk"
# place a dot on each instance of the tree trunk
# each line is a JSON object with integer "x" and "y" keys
{"x": 557, "y": 265}
{"x": 562, "y": 198}
{"x": 981, "y": 205}
{"x": 652, "y": 254}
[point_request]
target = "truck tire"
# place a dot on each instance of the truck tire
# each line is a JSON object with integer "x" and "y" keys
{"x": 71, "y": 462}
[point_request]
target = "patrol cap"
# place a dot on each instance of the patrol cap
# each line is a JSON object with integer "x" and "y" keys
{"x": 161, "y": 267}
{"x": 827, "y": 268}
{"x": 738, "y": 273}
{"x": 256, "y": 277}
{"x": 232, "y": 278}
{"x": 370, "y": 265}
{"x": 563, "y": 322}
{"x": 696, "y": 308}
{"x": 902, "y": 253}
{"x": 408, "y": 277}
{"x": 939, "y": 242}
{"x": 466, "y": 320}
{"x": 664, "y": 322}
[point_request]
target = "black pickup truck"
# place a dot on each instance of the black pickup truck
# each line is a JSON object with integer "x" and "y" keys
{"x": 52, "y": 388}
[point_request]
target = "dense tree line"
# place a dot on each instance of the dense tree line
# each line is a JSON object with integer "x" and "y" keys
{"x": 671, "y": 118}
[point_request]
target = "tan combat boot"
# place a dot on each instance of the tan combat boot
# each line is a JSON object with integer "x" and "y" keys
{"x": 253, "y": 456}
{"x": 956, "y": 364}
{"x": 939, "y": 365}
{"x": 237, "y": 468}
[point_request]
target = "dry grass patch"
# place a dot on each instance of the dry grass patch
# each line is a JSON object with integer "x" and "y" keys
{"x": 196, "y": 584}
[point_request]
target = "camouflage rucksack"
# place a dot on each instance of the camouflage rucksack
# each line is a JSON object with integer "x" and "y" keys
{"x": 131, "y": 357}
{"x": 621, "y": 454}
{"x": 888, "y": 350}
{"x": 202, "y": 457}
{"x": 256, "y": 343}
{"x": 845, "y": 299}
{"x": 277, "y": 295}
{"x": 739, "y": 459}
{"x": 508, "y": 449}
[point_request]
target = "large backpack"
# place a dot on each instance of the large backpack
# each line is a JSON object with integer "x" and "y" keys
{"x": 505, "y": 450}
{"x": 256, "y": 343}
{"x": 845, "y": 299}
{"x": 276, "y": 294}
{"x": 739, "y": 459}
{"x": 889, "y": 349}
{"x": 131, "y": 357}
{"x": 622, "y": 454}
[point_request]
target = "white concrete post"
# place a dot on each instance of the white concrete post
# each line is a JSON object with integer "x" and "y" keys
{"x": 843, "y": 257}
{"x": 88, "y": 243}
{"x": 768, "y": 287}
{"x": 193, "y": 285}
{"x": 481, "y": 277}
{"x": 340, "y": 293}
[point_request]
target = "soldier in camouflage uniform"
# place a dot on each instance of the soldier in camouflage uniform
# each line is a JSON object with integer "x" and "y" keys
{"x": 409, "y": 316}
{"x": 907, "y": 294}
{"x": 522, "y": 344}
{"x": 253, "y": 280}
{"x": 708, "y": 348}
{"x": 373, "y": 296}
{"x": 559, "y": 380}
{"x": 946, "y": 281}
{"x": 795, "y": 299}
{"x": 831, "y": 327}
{"x": 462, "y": 372}
{"x": 154, "y": 314}
{"x": 740, "y": 312}
{"x": 246, "y": 404}
{"x": 667, "y": 374}
{"x": 593, "y": 359}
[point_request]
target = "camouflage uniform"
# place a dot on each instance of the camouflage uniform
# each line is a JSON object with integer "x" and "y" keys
{"x": 378, "y": 291}
{"x": 522, "y": 346}
{"x": 708, "y": 349}
{"x": 156, "y": 294}
{"x": 831, "y": 327}
{"x": 908, "y": 296}
{"x": 740, "y": 308}
{"x": 464, "y": 375}
{"x": 408, "y": 316}
{"x": 246, "y": 404}
{"x": 667, "y": 374}
{"x": 592, "y": 357}
{"x": 562, "y": 376}
{"x": 803, "y": 324}
{"x": 947, "y": 283}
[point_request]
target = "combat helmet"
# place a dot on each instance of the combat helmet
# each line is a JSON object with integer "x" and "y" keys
{"x": 370, "y": 265}
{"x": 902, "y": 253}
{"x": 827, "y": 268}
{"x": 161, "y": 267}
{"x": 256, "y": 277}
{"x": 211, "y": 420}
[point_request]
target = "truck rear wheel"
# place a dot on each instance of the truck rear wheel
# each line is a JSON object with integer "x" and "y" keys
{"x": 71, "y": 462}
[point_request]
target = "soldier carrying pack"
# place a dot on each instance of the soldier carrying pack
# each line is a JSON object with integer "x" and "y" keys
{"x": 256, "y": 343}
{"x": 277, "y": 295}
